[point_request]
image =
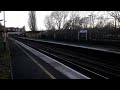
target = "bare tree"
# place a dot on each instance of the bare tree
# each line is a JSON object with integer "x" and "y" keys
{"x": 32, "y": 21}
{"x": 84, "y": 21}
{"x": 65, "y": 15}
{"x": 59, "y": 18}
{"x": 73, "y": 24}
{"x": 23, "y": 29}
{"x": 74, "y": 17}
{"x": 110, "y": 24}
{"x": 74, "y": 14}
{"x": 49, "y": 23}
{"x": 101, "y": 21}
{"x": 100, "y": 24}
{"x": 92, "y": 18}
{"x": 116, "y": 16}
{"x": 74, "y": 21}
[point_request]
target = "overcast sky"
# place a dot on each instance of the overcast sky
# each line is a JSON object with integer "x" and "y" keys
{"x": 20, "y": 18}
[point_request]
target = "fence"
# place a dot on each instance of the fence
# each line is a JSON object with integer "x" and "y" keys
{"x": 93, "y": 35}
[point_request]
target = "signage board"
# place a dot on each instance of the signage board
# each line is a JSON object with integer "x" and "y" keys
{"x": 83, "y": 31}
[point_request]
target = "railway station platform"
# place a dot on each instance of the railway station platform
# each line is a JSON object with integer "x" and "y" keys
{"x": 105, "y": 48}
{"x": 71, "y": 60}
{"x": 27, "y": 63}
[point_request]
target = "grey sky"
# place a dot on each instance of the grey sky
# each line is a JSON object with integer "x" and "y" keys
{"x": 20, "y": 18}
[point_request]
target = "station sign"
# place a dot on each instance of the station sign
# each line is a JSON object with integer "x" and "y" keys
{"x": 83, "y": 31}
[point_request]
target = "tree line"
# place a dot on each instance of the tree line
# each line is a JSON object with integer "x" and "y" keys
{"x": 58, "y": 20}
{"x": 65, "y": 26}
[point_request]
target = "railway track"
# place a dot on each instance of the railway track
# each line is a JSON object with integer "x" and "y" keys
{"x": 93, "y": 67}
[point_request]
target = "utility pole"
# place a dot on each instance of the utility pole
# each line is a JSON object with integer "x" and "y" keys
{"x": 115, "y": 23}
{"x": 90, "y": 21}
{"x": 4, "y": 31}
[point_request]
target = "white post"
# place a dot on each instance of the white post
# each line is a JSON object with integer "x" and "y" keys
{"x": 4, "y": 31}
{"x": 78, "y": 35}
{"x": 86, "y": 35}
{"x": 54, "y": 36}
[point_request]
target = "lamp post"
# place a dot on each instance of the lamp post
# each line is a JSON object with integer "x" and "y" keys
{"x": 4, "y": 31}
{"x": 90, "y": 21}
